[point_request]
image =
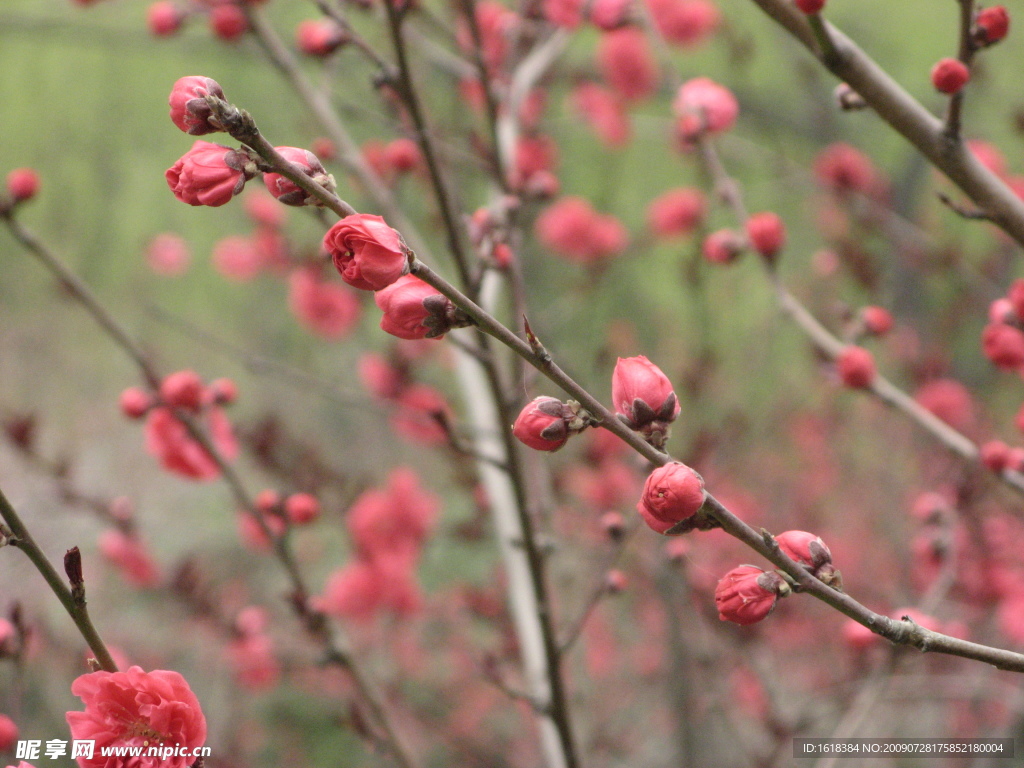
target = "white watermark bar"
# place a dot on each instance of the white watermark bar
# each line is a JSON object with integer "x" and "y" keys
{"x": 815, "y": 748}
{"x": 37, "y": 749}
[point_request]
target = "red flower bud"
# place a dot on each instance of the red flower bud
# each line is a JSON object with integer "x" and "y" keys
{"x": 209, "y": 174}
{"x": 703, "y": 105}
{"x": 810, "y": 6}
{"x": 995, "y": 455}
{"x": 810, "y": 551}
{"x": 287, "y": 191}
{"x": 642, "y": 396}
{"x": 403, "y": 155}
{"x": 321, "y": 37}
{"x": 676, "y": 212}
{"x": 189, "y": 110}
{"x": 613, "y": 525}
{"x": 877, "y": 320}
{"x": 615, "y": 581}
{"x": 135, "y": 402}
{"x": 543, "y": 424}
{"x": 723, "y": 246}
{"x": 950, "y": 75}
{"x": 228, "y": 22}
{"x": 1003, "y": 345}
{"x": 671, "y": 494}
{"x": 367, "y": 252}
{"x": 22, "y": 184}
{"x": 223, "y": 391}
{"x": 8, "y": 729}
{"x": 856, "y": 367}
{"x": 767, "y": 233}
{"x": 746, "y": 594}
{"x": 415, "y": 310}
{"x": 991, "y": 25}
{"x": 183, "y": 389}
{"x": 302, "y": 508}
{"x": 164, "y": 18}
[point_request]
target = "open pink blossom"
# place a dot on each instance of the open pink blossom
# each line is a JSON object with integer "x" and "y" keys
{"x": 137, "y": 708}
{"x": 367, "y": 252}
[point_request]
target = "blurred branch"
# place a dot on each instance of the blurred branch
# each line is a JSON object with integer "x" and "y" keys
{"x": 314, "y": 622}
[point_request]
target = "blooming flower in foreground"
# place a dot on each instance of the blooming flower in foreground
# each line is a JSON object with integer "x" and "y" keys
{"x": 136, "y": 708}
{"x": 367, "y": 252}
{"x": 672, "y": 494}
{"x": 746, "y": 594}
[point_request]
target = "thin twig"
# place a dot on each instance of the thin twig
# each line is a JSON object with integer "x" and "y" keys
{"x": 76, "y": 608}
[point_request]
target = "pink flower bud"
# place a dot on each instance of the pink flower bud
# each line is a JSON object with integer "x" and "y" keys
{"x": 189, "y": 109}
{"x": 325, "y": 308}
{"x": 320, "y": 37}
{"x": 810, "y": 6}
{"x": 627, "y": 64}
{"x": 991, "y": 25}
{"x": 267, "y": 501}
{"x": 722, "y": 246}
{"x": 302, "y": 508}
{"x": 564, "y": 13}
{"x": 183, "y": 389}
{"x": 164, "y": 18}
{"x": 685, "y": 23}
{"x": 324, "y": 148}
{"x": 543, "y": 424}
{"x": 676, "y": 212}
{"x": 367, "y": 252}
{"x": 209, "y": 174}
{"x": 604, "y": 112}
{"x": 135, "y": 402}
{"x": 379, "y": 377}
{"x": 168, "y": 254}
{"x": 8, "y": 734}
{"x": 703, "y": 105}
{"x": 858, "y": 637}
{"x": 844, "y": 168}
{"x": 403, "y": 155}
{"x": 642, "y": 394}
{"x": 261, "y": 208}
{"x": 671, "y": 494}
{"x": 1002, "y": 311}
{"x": 613, "y": 525}
{"x": 856, "y": 367}
{"x": 950, "y": 75}
{"x": 767, "y": 233}
{"x": 223, "y": 391}
{"x": 810, "y": 551}
{"x": 877, "y": 320}
{"x": 615, "y": 581}
{"x": 746, "y": 595}
{"x": 228, "y": 22}
{"x": 677, "y": 548}
{"x": 1003, "y": 345}
{"x": 607, "y": 15}
{"x": 130, "y": 556}
{"x": 22, "y": 184}
{"x": 415, "y": 310}
{"x": 995, "y": 455}
{"x": 949, "y": 400}
{"x": 237, "y": 258}
{"x": 287, "y": 191}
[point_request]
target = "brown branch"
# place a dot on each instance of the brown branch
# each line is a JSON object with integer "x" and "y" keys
{"x": 73, "y": 602}
{"x": 898, "y": 108}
